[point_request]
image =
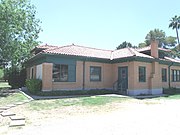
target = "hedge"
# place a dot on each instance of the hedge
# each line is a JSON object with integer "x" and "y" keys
{"x": 75, "y": 92}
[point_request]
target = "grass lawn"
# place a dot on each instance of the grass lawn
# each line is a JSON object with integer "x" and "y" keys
{"x": 41, "y": 112}
{"x": 79, "y": 101}
{"x": 12, "y": 98}
{"x": 4, "y": 85}
{"x": 175, "y": 96}
{"x": 99, "y": 114}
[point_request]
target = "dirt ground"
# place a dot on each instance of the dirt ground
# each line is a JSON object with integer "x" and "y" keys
{"x": 140, "y": 117}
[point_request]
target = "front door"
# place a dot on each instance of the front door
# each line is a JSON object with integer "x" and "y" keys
{"x": 123, "y": 80}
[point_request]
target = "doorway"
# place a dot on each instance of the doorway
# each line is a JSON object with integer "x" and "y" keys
{"x": 123, "y": 80}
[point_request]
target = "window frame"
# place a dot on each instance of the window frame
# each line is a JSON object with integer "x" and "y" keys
{"x": 60, "y": 72}
{"x": 142, "y": 78}
{"x": 175, "y": 75}
{"x": 99, "y": 74}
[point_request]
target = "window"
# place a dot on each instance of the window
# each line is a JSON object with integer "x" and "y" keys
{"x": 95, "y": 73}
{"x": 60, "y": 73}
{"x": 176, "y": 75}
{"x": 32, "y": 73}
{"x": 142, "y": 74}
{"x": 164, "y": 75}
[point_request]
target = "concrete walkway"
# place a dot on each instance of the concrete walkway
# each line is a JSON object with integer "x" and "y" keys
{"x": 15, "y": 119}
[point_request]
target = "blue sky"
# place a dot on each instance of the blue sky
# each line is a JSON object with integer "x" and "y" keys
{"x": 103, "y": 23}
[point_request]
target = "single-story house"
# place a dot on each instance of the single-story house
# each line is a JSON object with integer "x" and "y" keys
{"x": 130, "y": 71}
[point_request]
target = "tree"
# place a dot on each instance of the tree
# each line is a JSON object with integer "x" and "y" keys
{"x": 175, "y": 53}
{"x": 170, "y": 41}
{"x": 155, "y": 34}
{"x": 1, "y": 73}
{"x": 124, "y": 45}
{"x": 142, "y": 45}
{"x": 18, "y": 32}
{"x": 160, "y": 35}
{"x": 175, "y": 24}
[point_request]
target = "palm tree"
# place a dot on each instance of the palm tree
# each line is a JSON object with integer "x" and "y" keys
{"x": 175, "y": 24}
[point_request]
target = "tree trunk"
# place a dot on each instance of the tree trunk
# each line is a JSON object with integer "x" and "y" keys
{"x": 177, "y": 37}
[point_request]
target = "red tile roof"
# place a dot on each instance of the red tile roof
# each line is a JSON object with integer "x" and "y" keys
{"x": 173, "y": 60}
{"x": 128, "y": 52}
{"x": 46, "y": 46}
{"x": 76, "y": 50}
{"x": 149, "y": 48}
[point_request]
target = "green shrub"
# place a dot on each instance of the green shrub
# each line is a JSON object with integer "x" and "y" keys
{"x": 171, "y": 91}
{"x": 1, "y": 74}
{"x": 75, "y": 92}
{"x": 34, "y": 85}
{"x": 16, "y": 78}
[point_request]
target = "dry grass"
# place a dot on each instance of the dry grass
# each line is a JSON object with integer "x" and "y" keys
{"x": 108, "y": 114}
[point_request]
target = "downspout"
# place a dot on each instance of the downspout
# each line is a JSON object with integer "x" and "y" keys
{"x": 83, "y": 85}
{"x": 169, "y": 74}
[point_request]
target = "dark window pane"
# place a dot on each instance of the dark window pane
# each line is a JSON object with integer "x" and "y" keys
{"x": 177, "y": 75}
{"x": 95, "y": 73}
{"x": 32, "y": 73}
{"x": 64, "y": 73}
{"x": 56, "y": 72}
{"x": 164, "y": 75}
{"x": 60, "y": 73}
{"x": 142, "y": 74}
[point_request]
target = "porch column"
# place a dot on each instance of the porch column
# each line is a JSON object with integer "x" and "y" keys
{"x": 47, "y": 76}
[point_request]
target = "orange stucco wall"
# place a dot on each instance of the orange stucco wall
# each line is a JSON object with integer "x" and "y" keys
{"x": 109, "y": 75}
{"x": 106, "y": 76}
{"x": 47, "y": 76}
{"x": 131, "y": 72}
{"x": 172, "y": 84}
{"x": 155, "y": 80}
{"x": 164, "y": 84}
{"x": 153, "y": 76}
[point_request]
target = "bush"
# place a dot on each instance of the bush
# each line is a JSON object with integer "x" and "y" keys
{"x": 171, "y": 91}
{"x": 16, "y": 78}
{"x": 1, "y": 74}
{"x": 75, "y": 92}
{"x": 34, "y": 85}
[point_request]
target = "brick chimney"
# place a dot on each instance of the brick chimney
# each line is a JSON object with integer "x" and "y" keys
{"x": 154, "y": 48}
